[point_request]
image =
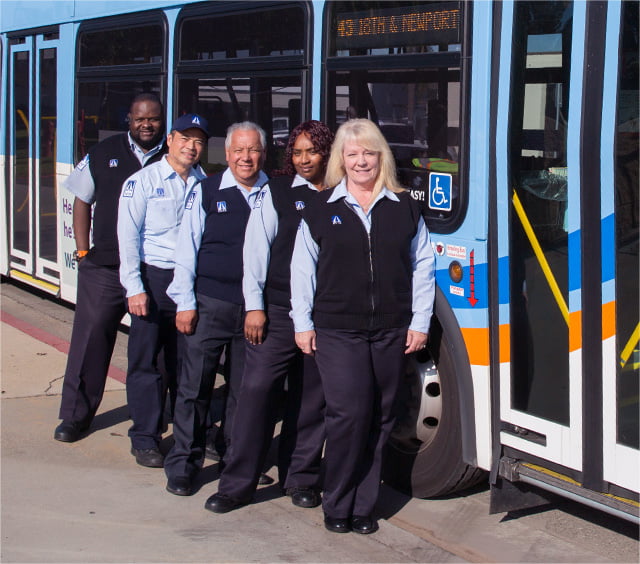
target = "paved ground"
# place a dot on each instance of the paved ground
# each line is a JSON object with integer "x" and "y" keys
{"x": 90, "y": 502}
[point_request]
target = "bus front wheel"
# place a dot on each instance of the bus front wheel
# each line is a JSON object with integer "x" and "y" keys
{"x": 424, "y": 452}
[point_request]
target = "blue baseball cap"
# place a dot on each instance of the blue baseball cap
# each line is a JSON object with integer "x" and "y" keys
{"x": 191, "y": 121}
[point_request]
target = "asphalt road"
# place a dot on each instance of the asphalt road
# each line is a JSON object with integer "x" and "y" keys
{"x": 89, "y": 502}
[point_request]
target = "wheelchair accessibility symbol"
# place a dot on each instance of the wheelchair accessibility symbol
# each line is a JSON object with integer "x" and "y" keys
{"x": 440, "y": 191}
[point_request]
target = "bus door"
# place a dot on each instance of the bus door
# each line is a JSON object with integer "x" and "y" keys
{"x": 553, "y": 376}
{"x": 32, "y": 237}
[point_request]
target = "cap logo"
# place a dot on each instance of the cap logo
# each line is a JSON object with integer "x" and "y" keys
{"x": 196, "y": 120}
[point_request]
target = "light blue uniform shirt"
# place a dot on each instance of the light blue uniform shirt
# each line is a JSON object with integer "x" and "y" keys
{"x": 261, "y": 231}
{"x": 151, "y": 206}
{"x": 305, "y": 259}
{"x": 181, "y": 289}
{"x": 80, "y": 182}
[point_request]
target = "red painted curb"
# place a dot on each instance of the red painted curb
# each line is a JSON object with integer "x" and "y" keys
{"x": 51, "y": 340}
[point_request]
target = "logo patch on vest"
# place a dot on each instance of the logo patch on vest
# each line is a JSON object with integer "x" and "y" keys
{"x": 336, "y": 220}
{"x": 160, "y": 192}
{"x": 83, "y": 163}
{"x": 113, "y": 163}
{"x": 190, "y": 200}
{"x": 222, "y": 207}
{"x": 259, "y": 198}
{"x": 299, "y": 205}
{"x": 128, "y": 189}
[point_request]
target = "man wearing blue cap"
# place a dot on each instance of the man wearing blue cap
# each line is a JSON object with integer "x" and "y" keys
{"x": 149, "y": 216}
{"x": 207, "y": 288}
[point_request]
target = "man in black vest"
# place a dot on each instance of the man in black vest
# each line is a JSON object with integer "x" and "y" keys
{"x": 207, "y": 289}
{"x": 100, "y": 303}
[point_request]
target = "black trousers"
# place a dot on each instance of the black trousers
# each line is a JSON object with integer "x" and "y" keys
{"x": 100, "y": 306}
{"x": 360, "y": 372}
{"x": 148, "y": 337}
{"x": 220, "y": 324}
{"x": 267, "y": 368}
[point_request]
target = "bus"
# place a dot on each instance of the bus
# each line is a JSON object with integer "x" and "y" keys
{"x": 514, "y": 123}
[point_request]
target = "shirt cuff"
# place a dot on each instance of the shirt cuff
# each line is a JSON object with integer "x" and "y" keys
{"x": 420, "y": 322}
{"x": 253, "y": 302}
{"x": 302, "y": 324}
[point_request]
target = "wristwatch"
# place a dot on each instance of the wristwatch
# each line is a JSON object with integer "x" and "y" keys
{"x": 79, "y": 255}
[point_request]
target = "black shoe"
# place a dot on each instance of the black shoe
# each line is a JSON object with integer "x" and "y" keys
{"x": 363, "y": 524}
{"x": 304, "y": 497}
{"x": 336, "y": 525}
{"x": 179, "y": 486}
{"x": 69, "y": 431}
{"x": 264, "y": 480}
{"x": 220, "y": 503}
{"x": 149, "y": 457}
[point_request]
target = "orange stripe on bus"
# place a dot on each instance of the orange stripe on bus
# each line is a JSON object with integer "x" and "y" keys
{"x": 608, "y": 320}
{"x": 575, "y": 330}
{"x": 477, "y": 341}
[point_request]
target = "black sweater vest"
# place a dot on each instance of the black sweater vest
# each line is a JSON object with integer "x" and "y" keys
{"x": 111, "y": 162}
{"x": 364, "y": 281}
{"x": 219, "y": 270}
{"x": 288, "y": 201}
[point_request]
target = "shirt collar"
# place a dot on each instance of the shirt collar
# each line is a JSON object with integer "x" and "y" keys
{"x": 299, "y": 181}
{"x": 167, "y": 171}
{"x": 137, "y": 149}
{"x": 229, "y": 181}
{"x": 340, "y": 191}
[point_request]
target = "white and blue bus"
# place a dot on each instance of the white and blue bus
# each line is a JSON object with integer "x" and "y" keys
{"x": 516, "y": 123}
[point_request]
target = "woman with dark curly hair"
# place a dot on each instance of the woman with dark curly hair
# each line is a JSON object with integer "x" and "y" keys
{"x": 272, "y": 356}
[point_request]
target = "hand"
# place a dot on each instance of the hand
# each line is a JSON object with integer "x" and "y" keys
{"x": 416, "y": 341}
{"x": 254, "y": 323}
{"x": 186, "y": 321}
{"x": 306, "y": 341}
{"x": 139, "y": 304}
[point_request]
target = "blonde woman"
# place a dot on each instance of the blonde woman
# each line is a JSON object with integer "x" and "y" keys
{"x": 362, "y": 296}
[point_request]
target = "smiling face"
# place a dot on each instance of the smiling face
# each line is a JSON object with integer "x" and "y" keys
{"x": 307, "y": 160}
{"x": 245, "y": 156}
{"x": 145, "y": 124}
{"x": 361, "y": 165}
{"x": 185, "y": 148}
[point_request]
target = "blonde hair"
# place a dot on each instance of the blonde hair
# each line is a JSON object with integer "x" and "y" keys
{"x": 367, "y": 134}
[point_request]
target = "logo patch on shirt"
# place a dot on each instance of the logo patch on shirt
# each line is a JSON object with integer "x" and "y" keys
{"x": 190, "y": 199}
{"x": 113, "y": 163}
{"x": 222, "y": 206}
{"x": 336, "y": 220}
{"x": 128, "y": 189}
{"x": 160, "y": 192}
{"x": 299, "y": 205}
{"x": 83, "y": 163}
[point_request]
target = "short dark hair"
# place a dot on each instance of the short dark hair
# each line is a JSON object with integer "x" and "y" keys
{"x": 146, "y": 97}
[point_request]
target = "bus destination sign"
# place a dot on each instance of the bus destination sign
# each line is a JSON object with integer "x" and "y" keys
{"x": 430, "y": 24}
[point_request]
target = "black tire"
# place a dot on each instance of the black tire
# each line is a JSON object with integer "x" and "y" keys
{"x": 424, "y": 454}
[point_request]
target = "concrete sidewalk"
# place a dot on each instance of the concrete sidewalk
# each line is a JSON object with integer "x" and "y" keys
{"x": 89, "y": 501}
